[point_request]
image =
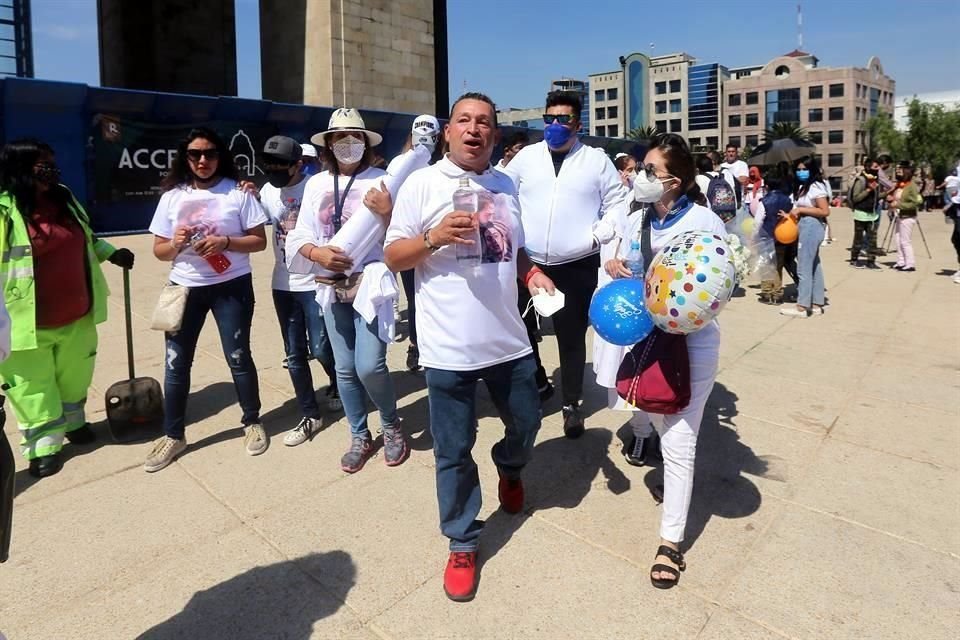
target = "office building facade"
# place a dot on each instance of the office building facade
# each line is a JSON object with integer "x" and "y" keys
{"x": 16, "y": 42}
{"x": 832, "y": 104}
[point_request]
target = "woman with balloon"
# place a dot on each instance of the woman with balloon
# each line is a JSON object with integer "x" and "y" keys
{"x": 687, "y": 284}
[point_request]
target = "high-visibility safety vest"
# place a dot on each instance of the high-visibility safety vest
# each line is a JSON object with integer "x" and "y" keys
{"x": 16, "y": 271}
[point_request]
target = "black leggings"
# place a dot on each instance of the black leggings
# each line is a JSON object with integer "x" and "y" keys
{"x": 407, "y": 278}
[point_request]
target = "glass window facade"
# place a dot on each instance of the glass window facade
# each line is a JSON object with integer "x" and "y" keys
{"x": 783, "y": 105}
{"x": 703, "y": 97}
{"x": 874, "y": 100}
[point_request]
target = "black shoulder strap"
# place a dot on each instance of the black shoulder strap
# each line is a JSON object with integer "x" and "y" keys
{"x": 338, "y": 202}
{"x": 645, "y": 247}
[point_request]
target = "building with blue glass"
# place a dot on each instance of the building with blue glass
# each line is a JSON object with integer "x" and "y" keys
{"x": 16, "y": 46}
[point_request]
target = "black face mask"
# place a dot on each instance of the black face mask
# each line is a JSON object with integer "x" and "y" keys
{"x": 48, "y": 174}
{"x": 278, "y": 177}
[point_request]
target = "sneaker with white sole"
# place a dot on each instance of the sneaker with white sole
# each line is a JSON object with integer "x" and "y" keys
{"x": 816, "y": 311}
{"x": 255, "y": 439}
{"x": 956, "y": 277}
{"x": 793, "y": 311}
{"x": 304, "y": 431}
{"x": 163, "y": 453}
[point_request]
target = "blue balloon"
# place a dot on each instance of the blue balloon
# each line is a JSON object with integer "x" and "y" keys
{"x": 618, "y": 314}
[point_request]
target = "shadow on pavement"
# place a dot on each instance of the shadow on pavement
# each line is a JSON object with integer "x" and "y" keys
{"x": 559, "y": 476}
{"x": 281, "y": 600}
{"x": 719, "y": 487}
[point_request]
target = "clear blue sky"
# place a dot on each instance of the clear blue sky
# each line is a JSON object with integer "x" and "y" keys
{"x": 511, "y": 49}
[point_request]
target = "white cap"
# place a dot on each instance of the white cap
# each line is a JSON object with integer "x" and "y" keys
{"x": 620, "y": 155}
{"x": 425, "y": 131}
{"x": 309, "y": 150}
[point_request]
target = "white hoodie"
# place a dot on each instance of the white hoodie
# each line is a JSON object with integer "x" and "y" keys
{"x": 560, "y": 212}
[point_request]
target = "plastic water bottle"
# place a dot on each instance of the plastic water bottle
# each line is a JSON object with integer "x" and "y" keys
{"x": 218, "y": 261}
{"x": 634, "y": 260}
{"x": 465, "y": 199}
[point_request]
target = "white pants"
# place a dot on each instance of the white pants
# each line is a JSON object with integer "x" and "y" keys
{"x": 678, "y": 439}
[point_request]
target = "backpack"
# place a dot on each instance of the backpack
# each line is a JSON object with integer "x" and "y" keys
{"x": 721, "y": 197}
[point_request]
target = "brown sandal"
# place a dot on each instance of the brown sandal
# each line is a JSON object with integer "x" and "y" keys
{"x": 675, "y": 557}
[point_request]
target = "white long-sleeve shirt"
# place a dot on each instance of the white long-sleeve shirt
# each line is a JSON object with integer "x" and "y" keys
{"x": 560, "y": 211}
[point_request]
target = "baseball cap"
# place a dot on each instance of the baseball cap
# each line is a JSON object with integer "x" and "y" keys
{"x": 283, "y": 149}
{"x": 309, "y": 151}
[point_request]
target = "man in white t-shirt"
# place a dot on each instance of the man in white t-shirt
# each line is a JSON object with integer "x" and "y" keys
{"x": 294, "y": 295}
{"x": 737, "y": 167}
{"x": 469, "y": 325}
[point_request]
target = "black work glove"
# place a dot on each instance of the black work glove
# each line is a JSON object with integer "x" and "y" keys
{"x": 122, "y": 258}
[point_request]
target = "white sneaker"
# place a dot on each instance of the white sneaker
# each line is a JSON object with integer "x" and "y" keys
{"x": 956, "y": 277}
{"x": 793, "y": 311}
{"x": 163, "y": 453}
{"x": 816, "y": 311}
{"x": 255, "y": 439}
{"x": 302, "y": 432}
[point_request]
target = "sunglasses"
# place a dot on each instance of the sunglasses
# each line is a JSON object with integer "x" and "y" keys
{"x": 562, "y": 118}
{"x": 209, "y": 154}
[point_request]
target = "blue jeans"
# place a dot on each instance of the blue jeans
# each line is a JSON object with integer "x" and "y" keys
{"x": 810, "y": 289}
{"x": 452, "y": 396}
{"x": 361, "y": 362}
{"x": 232, "y": 305}
{"x": 304, "y": 336}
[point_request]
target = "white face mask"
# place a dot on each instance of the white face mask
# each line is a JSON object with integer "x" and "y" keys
{"x": 647, "y": 189}
{"x": 348, "y": 150}
{"x": 545, "y": 304}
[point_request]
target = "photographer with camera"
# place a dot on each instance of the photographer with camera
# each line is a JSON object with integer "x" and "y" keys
{"x": 864, "y": 199}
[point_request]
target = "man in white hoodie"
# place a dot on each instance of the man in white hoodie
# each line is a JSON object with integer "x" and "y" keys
{"x": 469, "y": 324}
{"x": 565, "y": 188}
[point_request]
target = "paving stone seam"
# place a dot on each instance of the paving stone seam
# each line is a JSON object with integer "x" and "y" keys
{"x": 857, "y": 523}
{"x": 902, "y": 456}
{"x": 740, "y": 614}
{"x": 22, "y": 501}
{"x": 247, "y": 524}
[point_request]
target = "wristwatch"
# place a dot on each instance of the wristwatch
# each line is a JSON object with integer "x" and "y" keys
{"x": 426, "y": 240}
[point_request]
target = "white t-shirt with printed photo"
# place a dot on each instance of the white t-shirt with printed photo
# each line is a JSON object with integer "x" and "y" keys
{"x": 952, "y": 186}
{"x": 467, "y": 317}
{"x": 318, "y": 204}
{"x": 222, "y": 210}
{"x": 283, "y": 207}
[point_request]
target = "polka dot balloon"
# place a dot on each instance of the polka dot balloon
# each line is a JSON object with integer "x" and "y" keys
{"x": 689, "y": 282}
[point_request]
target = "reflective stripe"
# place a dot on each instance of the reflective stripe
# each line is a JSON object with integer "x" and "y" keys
{"x": 45, "y": 446}
{"x": 20, "y": 272}
{"x": 74, "y": 406}
{"x": 16, "y": 253}
{"x": 37, "y": 433}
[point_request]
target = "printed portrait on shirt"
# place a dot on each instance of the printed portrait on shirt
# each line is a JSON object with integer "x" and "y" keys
{"x": 201, "y": 215}
{"x": 496, "y": 227}
{"x": 289, "y": 212}
{"x": 327, "y": 210}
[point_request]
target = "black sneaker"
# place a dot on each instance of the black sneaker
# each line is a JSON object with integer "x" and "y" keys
{"x": 872, "y": 266}
{"x": 546, "y": 391}
{"x": 413, "y": 358}
{"x": 860, "y": 265}
{"x": 638, "y": 451}
{"x": 572, "y": 421}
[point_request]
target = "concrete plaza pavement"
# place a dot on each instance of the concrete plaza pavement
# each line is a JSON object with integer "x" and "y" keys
{"x": 825, "y": 505}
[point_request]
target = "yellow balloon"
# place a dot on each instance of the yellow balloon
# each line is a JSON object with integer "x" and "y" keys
{"x": 748, "y": 226}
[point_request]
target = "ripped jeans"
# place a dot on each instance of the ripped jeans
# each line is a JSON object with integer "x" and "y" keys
{"x": 232, "y": 305}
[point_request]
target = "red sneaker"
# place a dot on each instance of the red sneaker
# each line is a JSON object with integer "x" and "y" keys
{"x": 510, "y": 492}
{"x": 460, "y": 578}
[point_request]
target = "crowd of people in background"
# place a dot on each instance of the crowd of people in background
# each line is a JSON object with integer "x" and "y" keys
{"x": 553, "y": 218}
